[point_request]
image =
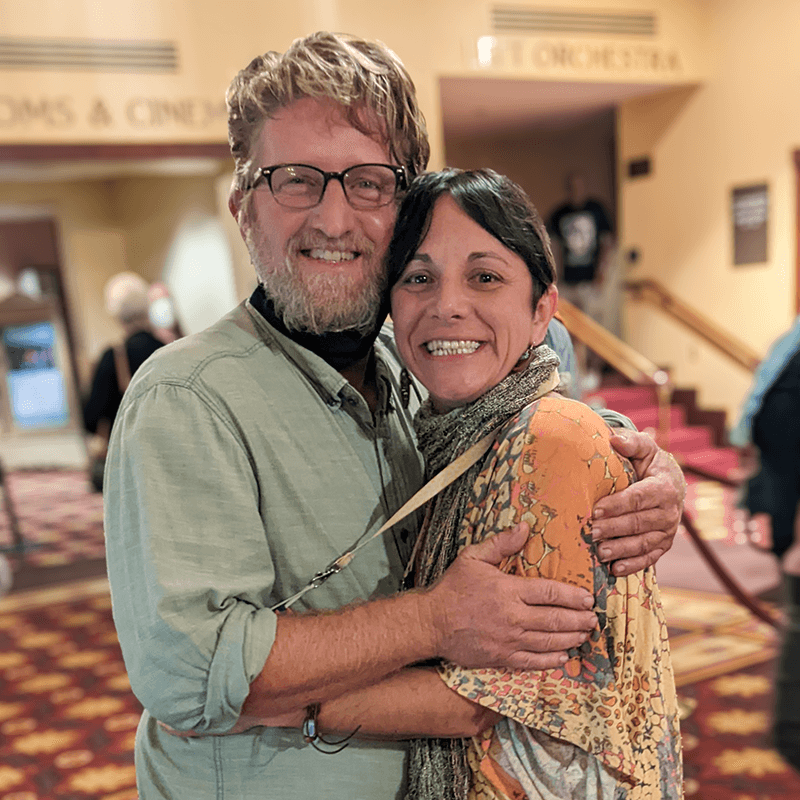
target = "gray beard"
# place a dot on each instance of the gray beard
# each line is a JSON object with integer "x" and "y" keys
{"x": 320, "y": 304}
{"x": 323, "y": 304}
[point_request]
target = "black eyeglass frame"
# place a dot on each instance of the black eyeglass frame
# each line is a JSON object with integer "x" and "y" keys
{"x": 265, "y": 173}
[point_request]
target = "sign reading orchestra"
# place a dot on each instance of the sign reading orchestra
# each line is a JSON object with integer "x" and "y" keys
{"x": 551, "y": 56}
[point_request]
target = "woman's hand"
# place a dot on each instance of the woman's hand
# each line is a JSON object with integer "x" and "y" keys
{"x": 637, "y": 525}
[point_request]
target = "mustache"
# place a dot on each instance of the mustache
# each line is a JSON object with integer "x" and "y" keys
{"x": 310, "y": 240}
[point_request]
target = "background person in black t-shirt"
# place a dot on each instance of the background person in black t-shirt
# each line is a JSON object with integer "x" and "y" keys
{"x": 582, "y": 236}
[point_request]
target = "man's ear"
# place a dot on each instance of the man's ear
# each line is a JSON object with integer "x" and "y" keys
{"x": 545, "y": 311}
{"x": 235, "y": 206}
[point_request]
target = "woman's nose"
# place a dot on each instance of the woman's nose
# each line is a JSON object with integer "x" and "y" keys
{"x": 450, "y": 301}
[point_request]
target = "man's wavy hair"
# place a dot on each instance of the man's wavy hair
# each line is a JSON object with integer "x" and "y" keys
{"x": 353, "y": 72}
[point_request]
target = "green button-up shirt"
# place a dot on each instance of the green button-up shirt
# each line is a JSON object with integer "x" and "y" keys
{"x": 240, "y": 464}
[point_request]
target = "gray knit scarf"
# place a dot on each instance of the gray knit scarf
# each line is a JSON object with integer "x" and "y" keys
{"x": 438, "y": 768}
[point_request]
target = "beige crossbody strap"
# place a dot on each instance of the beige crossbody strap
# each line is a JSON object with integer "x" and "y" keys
{"x": 122, "y": 366}
{"x": 455, "y": 469}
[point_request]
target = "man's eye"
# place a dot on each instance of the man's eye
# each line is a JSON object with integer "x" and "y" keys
{"x": 368, "y": 185}
{"x": 297, "y": 180}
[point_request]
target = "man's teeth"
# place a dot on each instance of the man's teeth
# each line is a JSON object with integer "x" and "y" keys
{"x": 332, "y": 255}
{"x": 444, "y": 347}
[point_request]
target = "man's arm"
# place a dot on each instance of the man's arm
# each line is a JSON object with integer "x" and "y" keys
{"x": 637, "y": 526}
{"x": 474, "y": 615}
{"x": 411, "y": 703}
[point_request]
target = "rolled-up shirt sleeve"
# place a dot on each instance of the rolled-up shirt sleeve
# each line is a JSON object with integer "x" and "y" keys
{"x": 188, "y": 559}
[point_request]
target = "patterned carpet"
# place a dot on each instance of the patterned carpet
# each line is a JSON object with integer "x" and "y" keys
{"x": 723, "y": 660}
{"x": 60, "y": 518}
{"x": 68, "y": 718}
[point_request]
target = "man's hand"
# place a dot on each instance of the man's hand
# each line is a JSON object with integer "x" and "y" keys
{"x": 638, "y": 524}
{"x": 484, "y": 617}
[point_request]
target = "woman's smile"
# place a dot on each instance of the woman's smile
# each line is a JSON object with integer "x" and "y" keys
{"x": 447, "y": 347}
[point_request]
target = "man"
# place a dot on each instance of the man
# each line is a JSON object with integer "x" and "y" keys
{"x": 248, "y": 457}
{"x": 583, "y": 237}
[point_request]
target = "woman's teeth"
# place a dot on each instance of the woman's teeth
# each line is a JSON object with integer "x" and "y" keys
{"x": 443, "y": 347}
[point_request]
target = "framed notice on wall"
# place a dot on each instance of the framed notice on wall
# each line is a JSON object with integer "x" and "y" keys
{"x": 749, "y": 215}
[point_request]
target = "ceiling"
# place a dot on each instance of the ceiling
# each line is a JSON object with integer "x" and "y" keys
{"x": 99, "y": 169}
{"x": 480, "y": 106}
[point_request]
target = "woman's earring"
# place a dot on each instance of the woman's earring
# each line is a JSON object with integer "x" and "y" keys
{"x": 523, "y": 360}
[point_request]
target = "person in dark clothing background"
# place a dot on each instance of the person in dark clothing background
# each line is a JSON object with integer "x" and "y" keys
{"x": 770, "y": 423}
{"x": 581, "y": 230}
{"x": 126, "y": 301}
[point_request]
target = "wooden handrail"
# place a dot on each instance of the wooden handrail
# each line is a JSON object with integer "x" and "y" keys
{"x": 621, "y": 356}
{"x": 640, "y": 370}
{"x": 652, "y": 292}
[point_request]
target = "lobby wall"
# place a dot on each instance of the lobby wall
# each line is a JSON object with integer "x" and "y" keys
{"x": 739, "y": 128}
{"x": 113, "y": 224}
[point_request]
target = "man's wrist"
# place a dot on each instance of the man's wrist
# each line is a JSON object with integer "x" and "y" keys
{"x": 428, "y": 614}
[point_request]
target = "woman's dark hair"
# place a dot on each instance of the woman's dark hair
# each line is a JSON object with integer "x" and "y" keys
{"x": 495, "y": 202}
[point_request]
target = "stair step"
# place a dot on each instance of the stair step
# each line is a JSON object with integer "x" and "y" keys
{"x": 688, "y": 438}
{"x": 648, "y": 417}
{"x": 724, "y": 460}
{"x": 622, "y": 398}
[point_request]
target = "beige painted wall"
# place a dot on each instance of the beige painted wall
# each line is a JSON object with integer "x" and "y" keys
{"x": 113, "y": 225}
{"x": 540, "y": 159}
{"x": 213, "y": 40}
{"x": 739, "y": 128}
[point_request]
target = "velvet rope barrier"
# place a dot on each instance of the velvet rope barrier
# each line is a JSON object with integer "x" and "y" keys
{"x": 725, "y": 577}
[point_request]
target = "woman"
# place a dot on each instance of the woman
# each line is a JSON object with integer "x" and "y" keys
{"x": 472, "y": 279}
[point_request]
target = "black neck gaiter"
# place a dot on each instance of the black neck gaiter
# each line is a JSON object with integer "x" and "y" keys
{"x": 340, "y": 350}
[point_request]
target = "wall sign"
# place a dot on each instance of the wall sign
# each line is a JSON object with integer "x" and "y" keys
{"x": 556, "y": 56}
{"x": 749, "y": 215}
{"x": 33, "y": 114}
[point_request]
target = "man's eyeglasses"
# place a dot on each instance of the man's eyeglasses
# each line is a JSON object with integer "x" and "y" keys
{"x": 303, "y": 186}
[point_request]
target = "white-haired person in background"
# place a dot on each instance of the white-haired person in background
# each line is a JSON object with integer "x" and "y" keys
{"x": 126, "y": 299}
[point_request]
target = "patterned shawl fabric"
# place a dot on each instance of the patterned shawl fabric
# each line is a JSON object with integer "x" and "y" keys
{"x": 438, "y": 768}
{"x": 604, "y": 725}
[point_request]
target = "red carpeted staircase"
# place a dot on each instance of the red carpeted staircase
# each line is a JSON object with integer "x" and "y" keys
{"x": 696, "y": 437}
{"x": 699, "y": 445}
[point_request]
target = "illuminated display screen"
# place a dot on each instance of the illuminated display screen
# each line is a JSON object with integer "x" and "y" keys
{"x": 36, "y": 389}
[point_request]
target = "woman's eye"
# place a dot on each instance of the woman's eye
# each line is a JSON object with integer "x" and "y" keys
{"x": 416, "y": 279}
{"x": 486, "y": 277}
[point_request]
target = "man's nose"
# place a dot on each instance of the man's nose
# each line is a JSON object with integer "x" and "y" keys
{"x": 333, "y": 215}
